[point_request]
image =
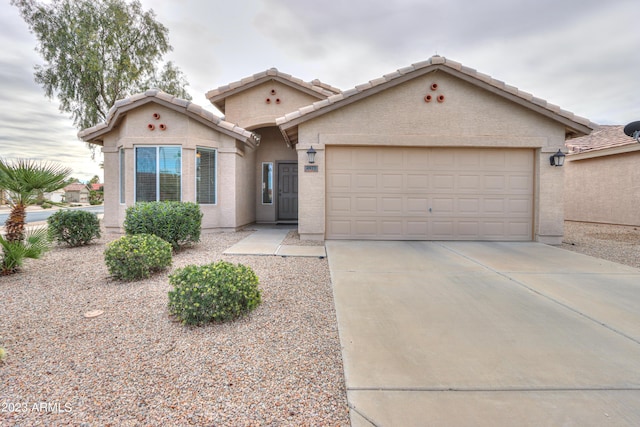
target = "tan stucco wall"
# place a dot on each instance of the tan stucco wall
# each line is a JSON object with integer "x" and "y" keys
{"x": 469, "y": 116}
{"x": 189, "y": 134}
{"x": 603, "y": 189}
{"x": 250, "y": 110}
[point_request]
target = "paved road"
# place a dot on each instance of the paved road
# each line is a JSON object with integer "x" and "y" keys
{"x": 37, "y": 216}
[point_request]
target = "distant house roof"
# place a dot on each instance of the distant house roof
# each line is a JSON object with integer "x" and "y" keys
{"x": 314, "y": 88}
{"x": 75, "y": 187}
{"x": 123, "y": 106}
{"x": 96, "y": 186}
{"x": 575, "y": 125}
{"x": 603, "y": 137}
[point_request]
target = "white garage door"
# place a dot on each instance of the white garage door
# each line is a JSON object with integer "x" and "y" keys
{"x": 403, "y": 193}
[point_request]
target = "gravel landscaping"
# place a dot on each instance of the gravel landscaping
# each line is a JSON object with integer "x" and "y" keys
{"x": 617, "y": 243}
{"x": 133, "y": 365}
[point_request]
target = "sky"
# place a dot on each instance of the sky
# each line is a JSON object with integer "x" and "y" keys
{"x": 582, "y": 55}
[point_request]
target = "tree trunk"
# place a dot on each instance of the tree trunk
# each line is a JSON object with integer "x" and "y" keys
{"x": 15, "y": 224}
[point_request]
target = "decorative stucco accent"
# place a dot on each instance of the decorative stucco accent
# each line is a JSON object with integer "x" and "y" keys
{"x": 122, "y": 106}
{"x": 575, "y": 125}
{"x": 315, "y": 87}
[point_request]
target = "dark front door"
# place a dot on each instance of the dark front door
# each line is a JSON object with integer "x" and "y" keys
{"x": 287, "y": 191}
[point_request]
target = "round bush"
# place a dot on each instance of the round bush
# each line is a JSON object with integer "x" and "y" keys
{"x": 73, "y": 227}
{"x": 178, "y": 223}
{"x": 136, "y": 257}
{"x": 217, "y": 291}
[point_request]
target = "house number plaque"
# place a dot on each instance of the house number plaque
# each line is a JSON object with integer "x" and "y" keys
{"x": 311, "y": 168}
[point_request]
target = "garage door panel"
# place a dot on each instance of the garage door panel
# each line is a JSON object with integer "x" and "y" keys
{"x": 337, "y": 205}
{"x": 416, "y": 206}
{"x": 521, "y": 183}
{"x": 391, "y": 205}
{"x": 417, "y": 182}
{"x": 339, "y": 181}
{"x": 429, "y": 193}
{"x": 469, "y": 182}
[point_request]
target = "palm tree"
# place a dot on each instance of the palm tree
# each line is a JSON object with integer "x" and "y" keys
{"x": 24, "y": 180}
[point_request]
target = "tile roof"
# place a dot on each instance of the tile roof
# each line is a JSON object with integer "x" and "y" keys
{"x": 575, "y": 125}
{"x": 76, "y": 187}
{"x": 603, "y": 137}
{"x": 316, "y": 87}
{"x": 196, "y": 112}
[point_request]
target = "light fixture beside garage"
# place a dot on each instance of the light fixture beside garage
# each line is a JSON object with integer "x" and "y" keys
{"x": 311, "y": 155}
{"x": 557, "y": 159}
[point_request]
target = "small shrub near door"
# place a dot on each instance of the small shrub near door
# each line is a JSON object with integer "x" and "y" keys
{"x": 213, "y": 292}
{"x": 178, "y": 223}
{"x": 73, "y": 227}
{"x": 137, "y": 257}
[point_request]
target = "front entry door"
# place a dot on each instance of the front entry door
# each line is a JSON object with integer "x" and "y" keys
{"x": 287, "y": 191}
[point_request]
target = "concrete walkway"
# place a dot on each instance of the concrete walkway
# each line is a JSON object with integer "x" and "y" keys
{"x": 268, "y": 241}
{"x": 486, "y": 334}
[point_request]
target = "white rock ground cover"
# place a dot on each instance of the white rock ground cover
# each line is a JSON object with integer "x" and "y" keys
{"x": 135, "y": 365}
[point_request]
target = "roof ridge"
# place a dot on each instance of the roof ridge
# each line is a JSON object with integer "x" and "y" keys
{"x": 315, "y": 85}
{"x": 602, "y": 137}
{"x": 188, "y": 106}
{"x": 440, "y": 61}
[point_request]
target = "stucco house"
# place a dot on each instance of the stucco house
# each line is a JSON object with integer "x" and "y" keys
{"x": 76, "y": 193}
{"x": 432, "y": 151}
{"x": 602, "y": 178}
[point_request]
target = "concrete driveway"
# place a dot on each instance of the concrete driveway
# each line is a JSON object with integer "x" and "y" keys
{"x": 486, "y": 334}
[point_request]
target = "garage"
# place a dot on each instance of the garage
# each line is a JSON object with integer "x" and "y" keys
{"x": 434, "y": 193}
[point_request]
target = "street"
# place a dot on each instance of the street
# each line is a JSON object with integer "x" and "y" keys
{"x": 37, "y": 216}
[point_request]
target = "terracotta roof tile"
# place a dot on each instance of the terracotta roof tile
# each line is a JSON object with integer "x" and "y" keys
{"x": 217, "y": 96}
{"x": 93, "y": 134}
{"x": 444, "y": 62}
{"x": 75, "y": 187}
{"x": 603, "y": 137}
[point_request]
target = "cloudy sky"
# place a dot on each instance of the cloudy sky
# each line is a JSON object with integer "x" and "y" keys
{"x": 580, "y": 54}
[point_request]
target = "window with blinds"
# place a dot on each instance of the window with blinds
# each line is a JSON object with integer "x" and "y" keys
{"x": 206, "y": 175}
{"x": 158, "y": 174}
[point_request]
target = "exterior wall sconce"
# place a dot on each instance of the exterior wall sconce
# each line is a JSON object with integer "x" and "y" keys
{"x": 311, "y": 154}
{"x": 633, "y": 130}
{"x": 557, "y": 159}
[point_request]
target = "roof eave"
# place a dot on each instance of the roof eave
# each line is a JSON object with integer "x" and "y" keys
{"x": 231, "y": 130}
{"x": 219, "y": 99}
{"x": 573, "y": 128}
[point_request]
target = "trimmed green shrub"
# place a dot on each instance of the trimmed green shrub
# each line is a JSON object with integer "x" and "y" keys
{"x": 217, "y": 291}
{"x": 178, "y": 223}
{"x": 136, "y": 257}
{"x": 46, "y": 205}
{"x": 74, "y": 227}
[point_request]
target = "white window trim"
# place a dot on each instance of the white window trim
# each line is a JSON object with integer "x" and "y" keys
{"x": 135, "y": 165}
{"x": 195, "y": 175}
{"x": 122, "y": 191}
{"x": 262, "y": 184}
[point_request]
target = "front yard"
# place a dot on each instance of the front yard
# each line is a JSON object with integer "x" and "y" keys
{"x": 134, "y": 365}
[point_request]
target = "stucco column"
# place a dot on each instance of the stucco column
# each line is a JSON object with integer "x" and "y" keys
{"x": 550, "y": 209}
{"x": 311, "y": 193}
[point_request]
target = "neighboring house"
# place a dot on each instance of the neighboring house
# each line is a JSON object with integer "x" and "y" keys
{"x": 96, "y": 187}
{"x": 433, "y": 151}
{"x": 57, "y": 196}
{"x": 76, "y": 193}
{"x": 602, "y": 178}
